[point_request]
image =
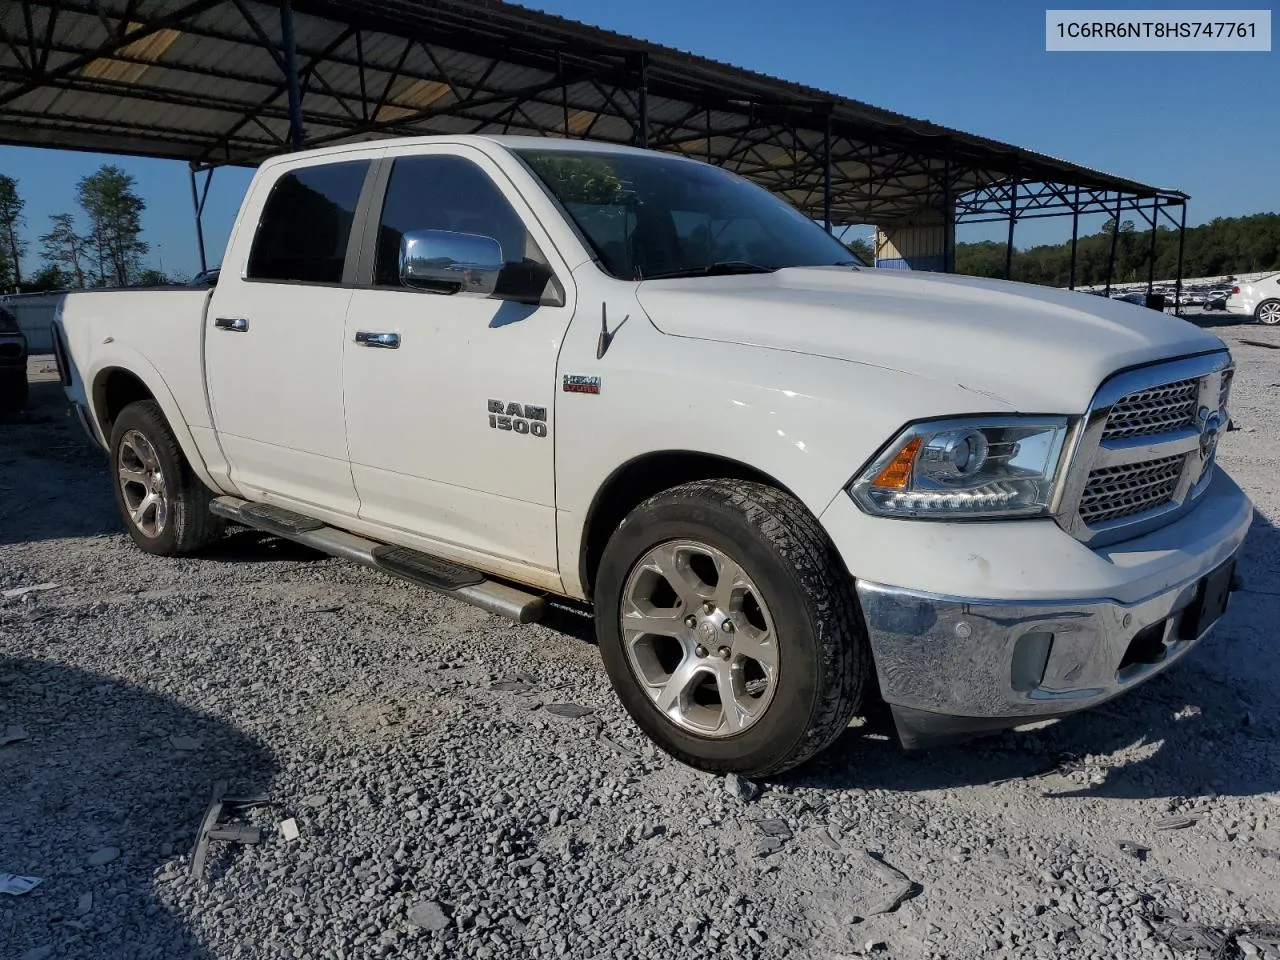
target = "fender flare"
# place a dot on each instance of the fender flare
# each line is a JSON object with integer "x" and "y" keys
{"x": 132, "y": 362}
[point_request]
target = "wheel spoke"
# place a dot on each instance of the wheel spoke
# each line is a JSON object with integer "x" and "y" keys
{"x": 730, "y": 582}
{"x": 736, "y": 715}
{"x": 757, "y": 645}
{"x": 656, "y": 623}
{"x": 668, "y": 698}
{"x": 140, "y": 511}
{"x": 672, "y": 561}
{"x": 129, "y": 475}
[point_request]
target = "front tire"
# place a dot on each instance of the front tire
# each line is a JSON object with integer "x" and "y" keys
{"x": 164, "y": 505}
{"x": 729, "y": 627}
{"x": 1268, "y": 312}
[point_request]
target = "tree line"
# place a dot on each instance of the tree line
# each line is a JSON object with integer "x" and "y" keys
{"x": 1224, "y": 246}
{"x": 103, "y": 247}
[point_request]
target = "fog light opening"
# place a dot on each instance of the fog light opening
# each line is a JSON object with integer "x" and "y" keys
{"x": 1147, "y": 646}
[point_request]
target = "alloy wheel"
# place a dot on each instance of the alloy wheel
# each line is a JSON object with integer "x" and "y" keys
{"x": 142, "y": 482}
{"x": 699, "y": 638}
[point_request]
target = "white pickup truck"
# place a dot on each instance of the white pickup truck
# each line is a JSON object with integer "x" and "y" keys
{"x": 510, "y": 369}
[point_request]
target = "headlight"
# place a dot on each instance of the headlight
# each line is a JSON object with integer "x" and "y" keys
{"x": 981, "y": 467}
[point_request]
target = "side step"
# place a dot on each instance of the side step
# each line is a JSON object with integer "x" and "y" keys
{"x": 444, "y": 576}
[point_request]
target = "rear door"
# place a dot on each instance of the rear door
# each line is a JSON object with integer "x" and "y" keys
{"x": 274, "y": 336}
{"x": 451, "y": 432}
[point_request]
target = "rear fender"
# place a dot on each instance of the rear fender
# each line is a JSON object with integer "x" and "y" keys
{"x": 121, "y": 357}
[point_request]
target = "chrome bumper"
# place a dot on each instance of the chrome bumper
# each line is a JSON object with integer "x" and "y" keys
{"x": 999, "y": 664}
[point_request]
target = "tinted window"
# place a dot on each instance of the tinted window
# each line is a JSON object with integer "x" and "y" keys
{"x": 648, "y": 215}
{"x": 445, "y": 193}
{"x": 306, "y": 224}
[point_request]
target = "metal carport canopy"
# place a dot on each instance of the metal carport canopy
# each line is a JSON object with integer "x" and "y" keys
{"x": 234, "y": 81}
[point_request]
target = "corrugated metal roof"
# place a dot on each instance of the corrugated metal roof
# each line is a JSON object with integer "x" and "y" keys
{"x": 202, "y": 80}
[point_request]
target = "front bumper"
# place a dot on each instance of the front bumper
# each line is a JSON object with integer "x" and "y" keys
{"x": 950, "y": 668}
{"x": 953, "y": 665}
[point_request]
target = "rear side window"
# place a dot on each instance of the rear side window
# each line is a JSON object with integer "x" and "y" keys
{"x": 306, "y": 224}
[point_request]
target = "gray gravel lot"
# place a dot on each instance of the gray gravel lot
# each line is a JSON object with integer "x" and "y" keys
{"x": 447, "y": 807}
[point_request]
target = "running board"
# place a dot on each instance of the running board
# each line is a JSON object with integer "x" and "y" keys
{"x": 435, "y": 573}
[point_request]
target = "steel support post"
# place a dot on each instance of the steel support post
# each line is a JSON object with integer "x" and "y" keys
{"x": 826, "y": 174}
{"x": 1075, "y": 237}
{"x": 1013, "y": 219}
{"x": 1115, "y": 238}
{"x": 197, "y": 208}
{"x": 1151, "y": 260}
{"x": 1182, "y": 236}
{"x": 289, "y": 46}
{"x": 642, "y": 139}
{"x": 948, "y": 216}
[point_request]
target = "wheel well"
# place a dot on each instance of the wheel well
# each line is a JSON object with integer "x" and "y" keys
{"x": 114, "y": 390}
{"x": 637, "y": 481}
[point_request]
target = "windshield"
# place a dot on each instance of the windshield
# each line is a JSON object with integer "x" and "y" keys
{"x": 649, "y": 216}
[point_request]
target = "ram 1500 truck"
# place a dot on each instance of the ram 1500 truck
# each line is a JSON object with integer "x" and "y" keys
{"x": 509, "y": 369}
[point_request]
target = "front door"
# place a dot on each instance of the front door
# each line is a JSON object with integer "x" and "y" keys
{"x": 449, "y": 396}
{"x": 274, "y": 338}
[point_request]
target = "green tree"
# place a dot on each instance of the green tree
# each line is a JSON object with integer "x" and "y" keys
{"x": 65, "y": 250}
{"x": 153, "y": 278}
{"x": 115, "y": 218}
{"x": 48, "y": 279}
{"x": 11, "y": 220}
{"x": 862, "y": 249}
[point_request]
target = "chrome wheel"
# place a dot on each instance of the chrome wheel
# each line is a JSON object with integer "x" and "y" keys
{"x": 1269, "y": 313}
{"x": 699, "y": 638}
{"x": 143, "y": 484}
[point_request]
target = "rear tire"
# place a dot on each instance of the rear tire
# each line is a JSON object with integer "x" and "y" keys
{"x": 164, "y": 505}
{"x": 776, "y": 685}
{"x": 13, "y": 391}
{"x": 1268, "y": 312}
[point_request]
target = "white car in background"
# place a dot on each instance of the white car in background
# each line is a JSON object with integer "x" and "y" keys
{"x": 1260, "y": 300}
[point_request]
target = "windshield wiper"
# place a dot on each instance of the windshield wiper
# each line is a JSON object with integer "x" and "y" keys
{"x": 721, "y": 268}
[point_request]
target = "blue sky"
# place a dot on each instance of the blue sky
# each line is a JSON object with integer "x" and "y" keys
{"x": 1206, "y": 123}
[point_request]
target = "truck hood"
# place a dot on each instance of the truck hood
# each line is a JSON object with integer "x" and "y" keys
{"x": 1036, "y": 349}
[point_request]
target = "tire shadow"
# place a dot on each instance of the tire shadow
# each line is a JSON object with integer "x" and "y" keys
{"x": 106, "y": 765}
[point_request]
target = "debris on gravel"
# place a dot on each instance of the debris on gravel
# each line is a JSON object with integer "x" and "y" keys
{"x": 429, "y": 915}
{"x": 573, "y": 711}
{"x": 443, "y": 816}
{"x": 100, "y": 858}
{"x": 740, "y": 788}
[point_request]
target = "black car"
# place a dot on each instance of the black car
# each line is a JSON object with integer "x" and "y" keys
{"x": 13, "y": 364}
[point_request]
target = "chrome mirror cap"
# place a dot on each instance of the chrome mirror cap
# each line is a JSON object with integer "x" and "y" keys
{"x": 450, "y": 262}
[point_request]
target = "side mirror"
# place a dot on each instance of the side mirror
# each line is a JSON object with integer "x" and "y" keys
{"x": 450, "y": 262}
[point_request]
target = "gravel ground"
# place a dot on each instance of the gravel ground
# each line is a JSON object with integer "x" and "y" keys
{"x": 448, "y": 804}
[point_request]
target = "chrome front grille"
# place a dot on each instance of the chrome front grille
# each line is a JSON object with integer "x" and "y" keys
{"x": 1146, "y": 448}
{"x": 1155, "y": 411}
{"x": 1130, "y": 488}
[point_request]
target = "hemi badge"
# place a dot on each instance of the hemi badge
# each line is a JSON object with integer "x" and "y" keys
{"x": 574, "y": 383}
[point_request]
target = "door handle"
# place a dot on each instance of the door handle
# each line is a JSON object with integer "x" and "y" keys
{"x": 388, "y": 341}
{"x": 235, "y": 325}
